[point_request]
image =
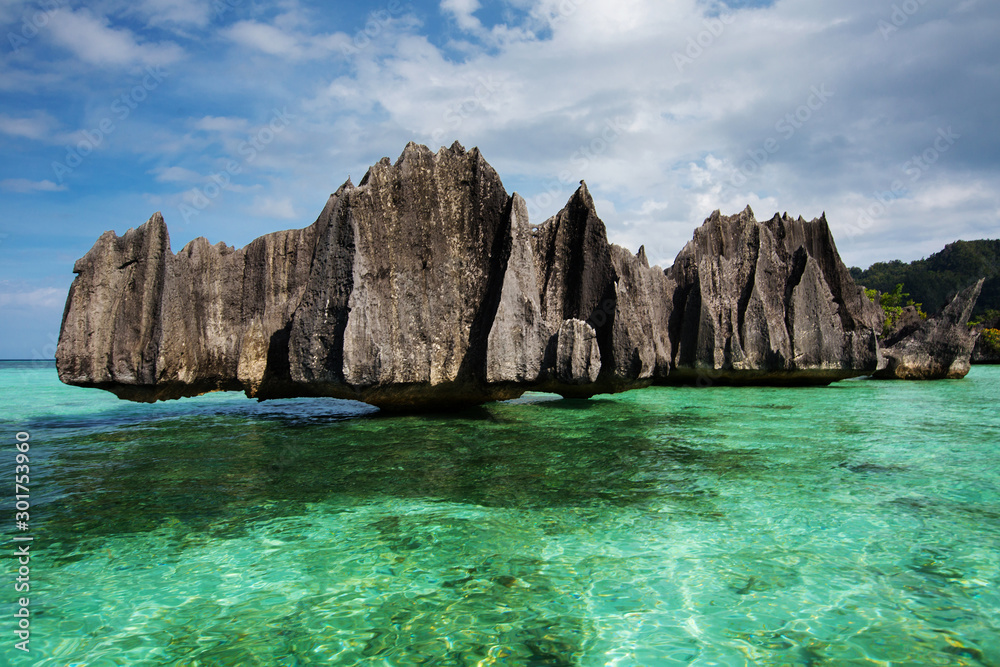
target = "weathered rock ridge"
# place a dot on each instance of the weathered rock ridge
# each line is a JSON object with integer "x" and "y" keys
{"x": 768, "y": 302}
{"x": 939, "y": 347}
{"x": 424, "y": 286}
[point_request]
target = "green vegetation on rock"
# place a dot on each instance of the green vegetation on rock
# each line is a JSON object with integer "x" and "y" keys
{"x": 893, "y": 304}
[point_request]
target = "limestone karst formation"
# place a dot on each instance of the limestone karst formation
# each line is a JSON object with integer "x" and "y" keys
{"x": 425, "y": 286}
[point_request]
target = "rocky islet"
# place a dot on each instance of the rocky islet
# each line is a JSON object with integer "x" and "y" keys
{"x": 425, "y": 286}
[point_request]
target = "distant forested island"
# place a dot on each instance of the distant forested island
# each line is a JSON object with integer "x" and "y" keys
{"x": 934, "y": 280}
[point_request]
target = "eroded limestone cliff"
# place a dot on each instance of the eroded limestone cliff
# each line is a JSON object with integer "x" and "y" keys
{"x": 768, "y": 302}
{"x": 424, "y": 286}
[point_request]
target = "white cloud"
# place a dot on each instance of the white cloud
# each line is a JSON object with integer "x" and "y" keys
{"x": 574, "y": 89}
{"x": 175, "y": 175}
{"x": 37, "y": 126}
{"x": 94, "y": 41}
{"x": 43, "y": 297}
{"x": 651, "y": 206}
{"x": 462, "y": 11}
{"x": 284, "y": 41}
{"x": 265, "y": 38}
{"x": 945, "y": 196}
{"x": 269, "y": 207}
{"x": 687, "y": 131}
{"x": 25, "y": 186}
{"x": 243, "y": 189}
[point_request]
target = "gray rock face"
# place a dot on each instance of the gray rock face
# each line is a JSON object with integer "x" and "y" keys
{"x": 578, "y": 356}
{"x": 643, "y": 299}
{"x": 517, "y": 339}
{"x": 403, "y": 283}
{"x": 421, "y": 287}
{"x": 761, "y": 302}
{"x": 936, "y": 348}
{"x": 114, "y": 340}
{"x": 909, "y": 318}
{"x": 425, "y": 287}
{"x": 582, "y": 277}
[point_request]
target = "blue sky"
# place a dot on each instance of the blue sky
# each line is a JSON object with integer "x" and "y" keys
{"x": 237, "y": 118}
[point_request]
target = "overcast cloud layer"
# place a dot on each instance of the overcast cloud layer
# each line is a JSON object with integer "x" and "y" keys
{"x": 236, "y": 119}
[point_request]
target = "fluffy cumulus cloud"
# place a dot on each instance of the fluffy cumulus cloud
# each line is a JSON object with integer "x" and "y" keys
{"x": 93, "y": 40}
{"x": 877, "y": 113}
{"x": 799, "y": 106}
{"x": 463, "y": 12}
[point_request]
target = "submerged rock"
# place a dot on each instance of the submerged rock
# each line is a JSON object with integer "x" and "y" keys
{"x": 939, "y": 347}
{"x": 425, "y": 287}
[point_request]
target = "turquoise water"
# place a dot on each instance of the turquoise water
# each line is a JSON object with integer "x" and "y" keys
{"x": 856, "y": 524}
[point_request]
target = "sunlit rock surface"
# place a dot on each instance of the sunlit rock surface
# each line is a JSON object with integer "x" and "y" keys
{"x": 767, "y": 302}
{"x": 426, "y": 287}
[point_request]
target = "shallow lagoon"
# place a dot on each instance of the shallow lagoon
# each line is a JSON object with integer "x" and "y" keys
{"x": 847, "y": 525}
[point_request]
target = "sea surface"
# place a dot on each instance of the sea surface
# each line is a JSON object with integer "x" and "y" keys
{"x": 855, "y": 524}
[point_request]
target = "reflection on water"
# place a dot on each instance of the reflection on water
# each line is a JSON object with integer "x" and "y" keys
{"x": 728, "y": 526}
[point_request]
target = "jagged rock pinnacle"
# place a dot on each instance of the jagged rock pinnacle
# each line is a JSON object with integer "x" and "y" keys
{"x": 426, "y": 287}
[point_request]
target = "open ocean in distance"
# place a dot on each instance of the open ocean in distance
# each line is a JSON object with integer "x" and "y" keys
{"x": 855, "y": 524}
